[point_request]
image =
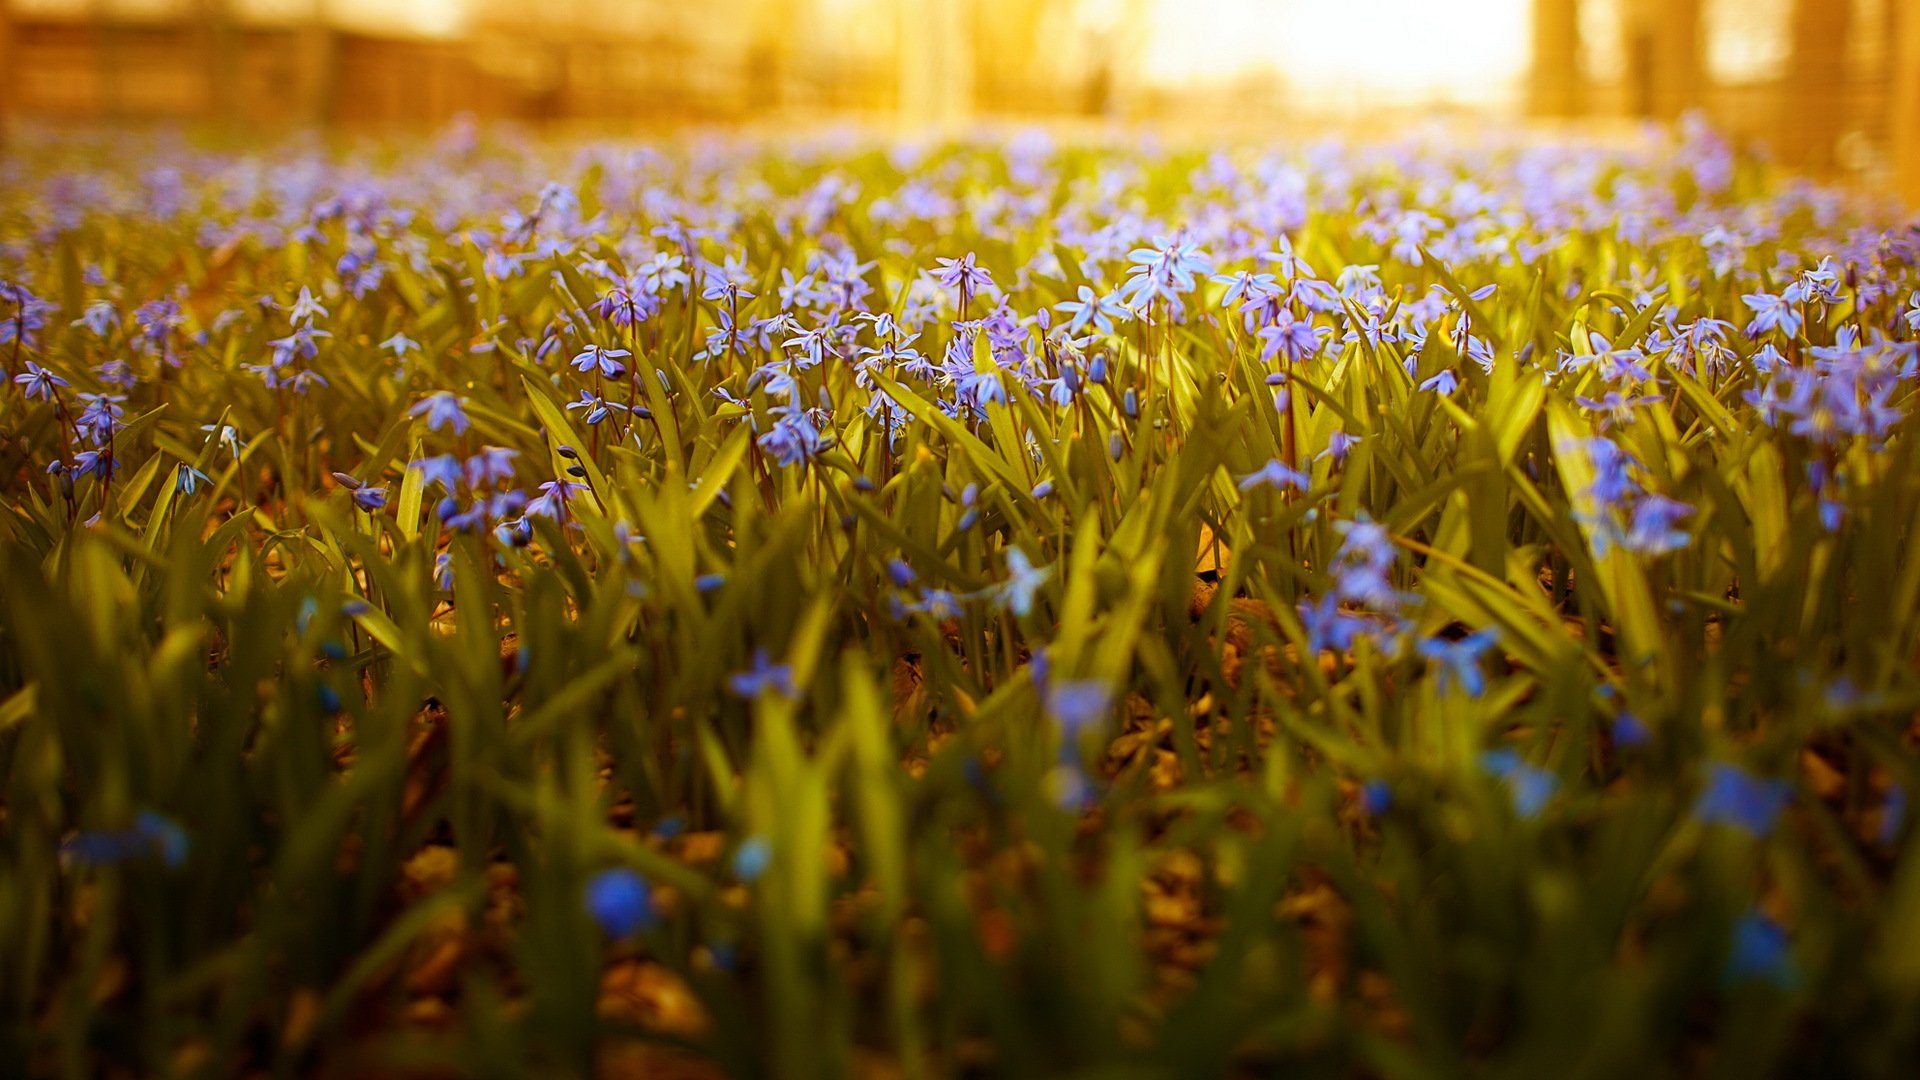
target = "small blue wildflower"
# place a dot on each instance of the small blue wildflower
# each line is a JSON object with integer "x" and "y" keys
{"x": 443, "y": 409}
{"x": 1532, "y": 787}
{"x": 40, "y": 382}
{"x": 1893, "y": 813}
{"x": 1459, "y": 661}
{"x": 1023, "y": 581}
{"x": 1760, "y": 953}
{"x": 620, "y": 901}
{"x": 763, "y": 677}
{"x": 605, "y": 361}
{"x": 1628, "y": 730}
{"x": 1076, "y": 704}
{"x": 1738, "y": 798}
{"x": 1376, "y": 797}
{"x": 1277, "y": 476}
{"x": 188, "y": 479}
{"x": 1444, "y": 383}
{"x": 751, "y": 859}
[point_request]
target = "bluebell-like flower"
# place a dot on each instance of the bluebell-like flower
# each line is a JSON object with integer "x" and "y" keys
{"x": 764, "y": 677}
{"x": 1772, "y": 312}
{"x": 152, "y": 836}
{"x": 1277, "y": 476}
{"x": 1329, "y": 628}
{"x": 1652, "y": 529}
{"x": 1076, "y": 704}
{"x": 751, "y": 859}
{"x": 1459, "y": 661}
{"x": 1093, "y": 309}
{"x": 1444, "y": 383}
{"x": 1737, "y": 798}
{"x": 1376, "y": 797}
{"x": 1532, "y": 787}
{"x": 605, "y": 361}
{"x": 553, "y": 499}
{"x": 443, "y": 409}
{"x": 188, "y": 479}
{"x": 620, "y": 901}
{"x": 1023, "y": 581}
{"x": 490, "y": 464}
{"x": 963, "y": 275}
{"x": 40, "y": 382}
{"x": 1760, "y": 953}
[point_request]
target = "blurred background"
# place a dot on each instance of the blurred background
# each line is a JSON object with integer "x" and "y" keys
{"x": 1830, "y": 86}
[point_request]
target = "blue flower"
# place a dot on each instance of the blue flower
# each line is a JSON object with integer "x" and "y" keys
{"x": 763, "y": 677}
{"x": 1076, "y": 704}
{"x": 153, "y": 836}
{"x": 1022, "y": 582}
{"x": 606, "y": 361}
{"x": 1092, "y": 309}
{"x": 443, "y": 409}
{"x": 1893, "y": 814}
{"x": 1376, "y": 797}
{"x": 1532, "y": 787}
{"x": 40, "y": 382}
{"x": 1760, "y": 953}
{"x": 1459, "y": 661}
{"x": 1275, "y": 475}
{"x": 963, "y": 275}
{"x": 620, "y": 901}
{"x": 1628, "y": 730}
{"x": 1444, "y": 384}
{"x": 189, "y": 479}
{"x": 1328, "y": 627}
{"x": 751, "y": 859}
{"x": 1738, "y": 798}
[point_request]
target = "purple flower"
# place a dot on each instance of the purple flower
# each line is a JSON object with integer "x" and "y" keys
{"x": 963, "y": 275}
{"x": 1772, "y": 312}
{"x": 443, "y": 409}
{"x": 40, "y": 382}
{"x": 1094, "y": 310}
{"x": 764, "y": 677}
{"x": 1444, "y": 383}
{"x": 553, "y": 498}
{"x": 1459, "y": 661}
{"x": 1277, "y": 476}
{"x": 606, "y": 361}
{"x": 1023, "y": 581}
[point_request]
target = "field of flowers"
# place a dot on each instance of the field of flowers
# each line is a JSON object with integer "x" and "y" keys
{"x": 497, "y": 608}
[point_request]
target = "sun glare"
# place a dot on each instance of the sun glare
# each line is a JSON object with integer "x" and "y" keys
{"x": 1467, "y": 50}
